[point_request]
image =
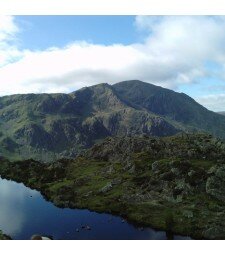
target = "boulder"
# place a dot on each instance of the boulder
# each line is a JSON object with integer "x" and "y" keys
{"x": 155, "y": 166}
{"x": 39, "y": 237}
{"x": 187, "y": 214}
{"x": 175, "y": 171}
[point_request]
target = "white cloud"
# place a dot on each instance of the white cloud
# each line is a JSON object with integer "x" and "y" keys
{"x": 213, "y": 102}
{"x": 69, "y": 68}
{"x": 7, "y": 28}
{"x": 13, "y": 206}
{"x": 174, "y": 52}
{"x": 8, "y": 31}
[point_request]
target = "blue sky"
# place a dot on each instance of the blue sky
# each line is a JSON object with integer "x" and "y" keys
{"x": 64, "y": 53}
{"x": 46, "y": 31}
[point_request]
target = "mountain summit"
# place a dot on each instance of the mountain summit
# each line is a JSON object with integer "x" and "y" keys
{"x": 48, "y": 126}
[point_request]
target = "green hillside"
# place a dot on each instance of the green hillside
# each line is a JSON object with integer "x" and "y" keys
{"x": 51, "y": 126}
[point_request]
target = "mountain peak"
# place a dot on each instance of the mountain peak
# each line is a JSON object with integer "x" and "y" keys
{"x": 46, "y": 125}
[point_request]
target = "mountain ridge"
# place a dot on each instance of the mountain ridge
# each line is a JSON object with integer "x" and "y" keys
{"x": 49, "y": 126}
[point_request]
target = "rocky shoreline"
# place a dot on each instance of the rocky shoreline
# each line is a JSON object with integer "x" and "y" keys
{"x": 174, "y": 184}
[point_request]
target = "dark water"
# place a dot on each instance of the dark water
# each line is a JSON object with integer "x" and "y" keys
{"x": 24, "y": 212}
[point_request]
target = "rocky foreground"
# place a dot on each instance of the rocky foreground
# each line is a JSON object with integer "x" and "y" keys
{"x": 173, "y": 183}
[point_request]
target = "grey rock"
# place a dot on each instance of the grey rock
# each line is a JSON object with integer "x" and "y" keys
{"x": 116, "y": 181}
{"x": 108, "y": 170}
{"x": 106, "y": 188}
{"x": 187, "y": 214}
{"x": 132, "y": 169}
{"x": 176, "y": 171}
{"x": 155, "y": 166}
{"x": 191, "y": 173}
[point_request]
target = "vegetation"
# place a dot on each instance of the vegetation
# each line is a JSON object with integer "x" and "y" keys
{"x": 173, "y": 183}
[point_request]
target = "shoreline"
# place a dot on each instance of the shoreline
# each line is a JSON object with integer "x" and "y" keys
{"x": 175, "y": 190}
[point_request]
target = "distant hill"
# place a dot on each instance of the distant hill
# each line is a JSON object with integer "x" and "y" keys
{"x": 223, "y": 113}
{"x": 49, "y": 126}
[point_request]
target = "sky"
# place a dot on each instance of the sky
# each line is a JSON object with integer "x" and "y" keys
{"x": 52, "y": 54}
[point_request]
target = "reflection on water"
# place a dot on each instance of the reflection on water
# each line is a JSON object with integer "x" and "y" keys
{"x": 13, "y": 202}
{"x": 25, "y": 212}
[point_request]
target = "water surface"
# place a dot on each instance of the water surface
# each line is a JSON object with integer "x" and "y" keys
{"x": 24, "y": 212}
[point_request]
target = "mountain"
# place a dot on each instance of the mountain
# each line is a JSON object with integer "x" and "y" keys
{"x": 50, "y": 126}
{"x": 177, "y": 108}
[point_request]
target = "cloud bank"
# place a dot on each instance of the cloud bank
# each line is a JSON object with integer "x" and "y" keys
{"x": 175, "y": 51}
{"x": 8, "y": 32}
{"x": 215, "y": 102}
